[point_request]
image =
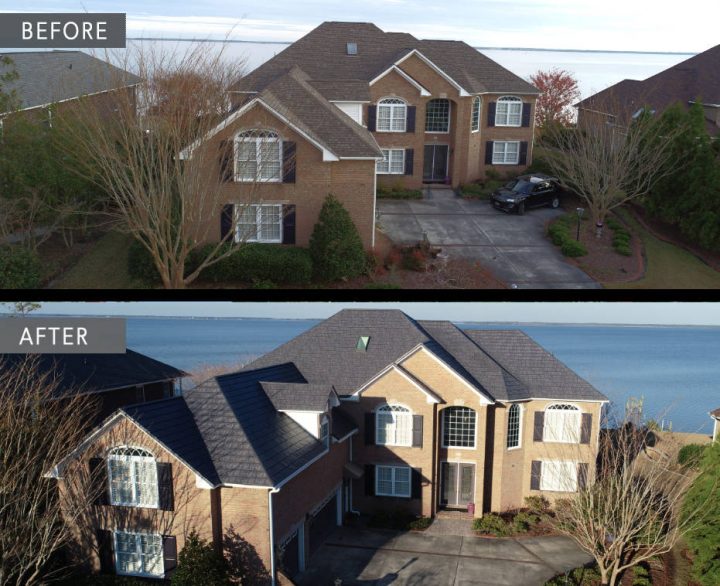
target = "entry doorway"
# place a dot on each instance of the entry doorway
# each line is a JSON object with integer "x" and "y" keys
{"x": 457, "y": 484}
{"x": 435, "y": 168}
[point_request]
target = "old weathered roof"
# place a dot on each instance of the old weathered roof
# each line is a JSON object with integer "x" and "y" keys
{"x": 95, "y": 373}
{"x": 46, "y": 77}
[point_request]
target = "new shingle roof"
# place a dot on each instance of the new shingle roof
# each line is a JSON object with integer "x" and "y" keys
{"x": 94, "y": 373}
{"x": 298, "y": 396}
{"x": 46, "y": 77}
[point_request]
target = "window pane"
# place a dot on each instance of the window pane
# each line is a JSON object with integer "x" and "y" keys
{"x": 459, "y": 427}
{"x": 475, "y": 121}
{"x": 270, "y": 164}
{"x": 515, "y": 114}
{"x": 383, "y": 118}
{"x": 384, "y": 479}
{"x": 384, "y": 165}
{"x": 402, "y": 481}
{"x": 270, "y": 223}
{"x": 247, "y": 223}
{"x": 498, "y": 152}
{"x": 121, "y": 488}
{"x": 384, "y": 428}
{"x": 397, "y": 162}
{"x": 437, "y": 116}
{"x": 146, "y": 489}
{"x": 513, "y": 432}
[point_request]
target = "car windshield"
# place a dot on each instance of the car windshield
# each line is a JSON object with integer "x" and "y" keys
{"x": 520, "y": 186}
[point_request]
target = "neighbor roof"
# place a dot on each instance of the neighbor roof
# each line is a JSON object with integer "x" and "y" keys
{"x": 46, "y": 77}
{"x": 715, "y": 414}
{"x": 95, "y": 373}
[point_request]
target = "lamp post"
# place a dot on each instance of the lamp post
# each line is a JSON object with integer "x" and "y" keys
{"x": 580, "y": 212}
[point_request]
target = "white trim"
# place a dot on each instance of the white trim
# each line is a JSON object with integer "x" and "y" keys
{"x": 463, "y": 93}
{"x": 259, "y": 161}
{"x": 484, "y": 400}
{"x": 342, "y": 439}
{"x": 459, "y": 462}
{"x": 350, "y": 101}
{"x": 478, "y": 100}
{"x": 509, "y": 99}
{"x": 575, "y": 408}
{"x": 48, "y": 104}
{"x": 556, "y": 399}
{"x": 403, "y": 105}
{"x": 374, "y": 214}
{"x": 131, "y": 459}
{"x": 423, "y": 92}
{"x": 505, "y": 152}
{"x": 442, "y": 429}
{"x": 328, "y": 155}
{"x": 542, "y": 470}
{"x": 271, "y": 492}
{"x": 406, "y": 411}
{"x": 393, "y": 468}
{"x": 389, "y": 162}
{"x": 141, "y": 574}
{"x": 258, "y": 221}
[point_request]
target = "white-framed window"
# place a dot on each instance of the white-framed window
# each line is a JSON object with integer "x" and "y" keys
{"x": 508, "y": 111}
{"x": 258, "y": 157}
{"x": 391, "y": 115}
{"x": 392, "y": 481}
{"x": 558, "y": 476}
{"x": 139, "y": 554}
{"x": 393, "y": 426}
{"x": 475, "y": 119}
{"x": 506, "y": 152}
{"x": 132, "y": 475}
{"x": 458, "y": 427}
{"x": 393, "y": 162}
{"x": 514, "y": 426}
{"x": 437, "y": 116}
{"x": 325, "y": 431}
{"x": 562, "y": 424}
{"x": 259, "y": 223}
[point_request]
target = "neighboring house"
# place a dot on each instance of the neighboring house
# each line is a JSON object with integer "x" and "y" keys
{"x": 716, "y": 424}
{"x": 49, "y": 80}
{"x": 695, "y": 80}
{"x": 367, "y": 411}
{"x": 114, "y": 379}
{"x": 348, "y": 106}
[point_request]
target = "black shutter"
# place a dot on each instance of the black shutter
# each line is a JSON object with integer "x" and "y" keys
{"x": 409, "y": 161}
{"x": 99, "y": 481}
{"x": 488, "y": 152}
{"x": 369, "y": 429}
{"x": 416, "y": 484}
{"x": 539, "y": 425}
{"x": 491, "y": 113}
{"x": 526, "y": 114}
{"x": 169, "y": 552}
{"x": 417, "y": 431}
{"x": 523, "y": 153}
{"x": 289, "y": 162}
{"x": 535, "y": 472}
{"x": 105, "y": 551}
{"x": 585, "y": 428}
{"x": 165, "y": 486}
{"x": 411, "y": 115}
{"x": 226, "y": 221}
{"x": 369, "y": 480}
{"x": 372, "y": 118}
{"x": 288, "y": 224}
{"x": 582, "y": 474}
{"x": 226, "y": 161}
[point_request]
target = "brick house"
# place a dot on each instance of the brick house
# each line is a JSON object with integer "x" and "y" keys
{"x": 367, "y": 411}
{"x": 349, "y": 106}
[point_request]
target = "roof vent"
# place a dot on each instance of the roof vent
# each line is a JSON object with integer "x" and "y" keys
{"x": 352, "y": 49}
{"x": 362, "y": 343}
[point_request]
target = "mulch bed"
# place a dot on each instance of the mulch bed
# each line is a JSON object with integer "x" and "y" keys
{"x": 56, "y": 257}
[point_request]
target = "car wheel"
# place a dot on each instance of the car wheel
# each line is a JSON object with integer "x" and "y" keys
{"x": 521, "y": 208}
{"x": 555, "y": 203}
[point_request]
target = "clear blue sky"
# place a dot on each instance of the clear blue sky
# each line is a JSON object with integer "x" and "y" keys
{"x": 644, "y": 25}
{"x": 625, "y": 313}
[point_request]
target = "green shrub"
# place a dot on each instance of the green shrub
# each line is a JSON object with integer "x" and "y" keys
{"x": 690, "y": 455}
{"x": 613, "y": 224}
{"x": 573, "y": 248}
{"x": 420, "y": 524}
{"x": 199, "y": 564}
{"x": 492, "y": 524}
{"x": 537, "y": 504}
{"x": 578, "y": 577}
{"x": 623, "y": 250}
{"x": 397, "y": 519}
{"x": 335, "y": 246}
{"x": 641, "y": 576}
{"x": 558, "y": 233}
{"x": 19, "y": 268}
{"x": 524, "y": 521}
{"x": 141, "y": 265}
{"x": 398, "y": 192}
{"x": 382, "y": 286}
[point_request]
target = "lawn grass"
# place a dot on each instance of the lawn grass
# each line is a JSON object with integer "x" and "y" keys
{"x": 104, "y": 267}
{"x": 668, "y": 266}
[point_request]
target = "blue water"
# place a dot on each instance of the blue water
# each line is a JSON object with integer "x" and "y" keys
{"x": 675, "y": 369}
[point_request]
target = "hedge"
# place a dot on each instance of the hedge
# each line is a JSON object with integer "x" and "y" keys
{"x": 19, "y": 268}
{"x": 560, "y": 235}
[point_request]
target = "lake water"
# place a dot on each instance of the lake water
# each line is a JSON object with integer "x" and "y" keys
{"x": 676, "y": 369}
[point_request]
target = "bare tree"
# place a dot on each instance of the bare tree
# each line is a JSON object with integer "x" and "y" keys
{"x": 168, "y": 201}
{"x": 36, "y": 430}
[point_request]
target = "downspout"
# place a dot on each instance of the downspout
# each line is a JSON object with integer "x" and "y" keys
{"x": 271, "y": 492}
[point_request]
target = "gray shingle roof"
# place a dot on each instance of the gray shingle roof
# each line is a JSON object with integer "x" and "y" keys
{"x": 342, "y": 424}
{"x": 716, "y": 413}
{"x": 298, "y": 396}
{"x": 51, "y": 76}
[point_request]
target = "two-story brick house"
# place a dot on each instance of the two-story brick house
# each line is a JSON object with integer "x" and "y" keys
{"x": 349, "y": 106}
{"x": 368, "y": 410}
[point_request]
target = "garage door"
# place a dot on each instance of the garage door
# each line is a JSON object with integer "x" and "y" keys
{"x": 323, "y": 524}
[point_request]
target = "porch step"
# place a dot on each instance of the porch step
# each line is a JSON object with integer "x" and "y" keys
{"x": 450, "y": 514}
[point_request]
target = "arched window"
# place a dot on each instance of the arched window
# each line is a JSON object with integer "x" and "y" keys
{"x": 258, "y": 156}
{"x": 562, "y": 423}
{"x": 132, "y": 474}
{"x": 391, "y": 115}
{"x": 325, "y": 431}
{"x": 437, "y": 116}
{"x": 508, "y": 111}
{"x": 475, "y": 119}
{"x": 513, "y": 426}
{"x": 393, "y": 426}
{"x": 458, "y": 427}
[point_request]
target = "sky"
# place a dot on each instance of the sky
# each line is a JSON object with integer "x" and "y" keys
{"x": 634, "y": 25}
{"x": 634, "y": 313}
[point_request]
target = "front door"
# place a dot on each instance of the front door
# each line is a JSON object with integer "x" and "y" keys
{"x": 457, "y": 483}
{"x": 435, "y": 169}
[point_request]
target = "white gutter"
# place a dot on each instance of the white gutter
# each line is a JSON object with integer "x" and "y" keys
{"x": 271, "y": 492}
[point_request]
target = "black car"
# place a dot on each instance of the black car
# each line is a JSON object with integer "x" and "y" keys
{"x": 527, "y": 191}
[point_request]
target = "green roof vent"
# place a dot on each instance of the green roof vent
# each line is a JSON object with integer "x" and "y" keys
{"x": 362, "y": 343}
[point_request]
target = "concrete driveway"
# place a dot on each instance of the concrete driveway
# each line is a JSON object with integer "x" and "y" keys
{"x": 513, "y": 247}
{"x": 384, "y": 558}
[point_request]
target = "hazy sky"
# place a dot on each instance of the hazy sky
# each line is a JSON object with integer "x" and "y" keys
{"x": 626, "y": 313}
{"x": 641, "y": 25}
